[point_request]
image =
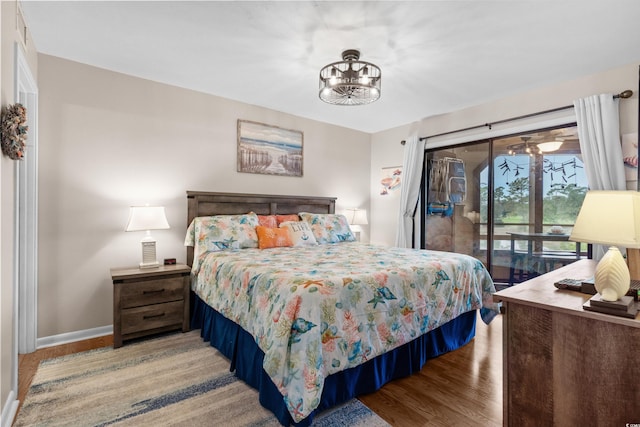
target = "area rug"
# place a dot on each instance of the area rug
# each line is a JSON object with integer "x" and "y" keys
{"x": 174, "y": 380}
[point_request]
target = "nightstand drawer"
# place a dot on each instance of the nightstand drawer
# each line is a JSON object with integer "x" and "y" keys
{"x": 152, "y": 292}
{"x": 152, "y": 316}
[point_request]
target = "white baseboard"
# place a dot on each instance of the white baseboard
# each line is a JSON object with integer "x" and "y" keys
{"x": 9, "y": 409}
{"x": 74, "y": 336}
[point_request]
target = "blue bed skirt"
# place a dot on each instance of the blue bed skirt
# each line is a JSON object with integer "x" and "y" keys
{"x": 246, "y": 359}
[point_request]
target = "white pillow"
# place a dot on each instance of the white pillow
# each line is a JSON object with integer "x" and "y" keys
{"x": 300, "y": 233}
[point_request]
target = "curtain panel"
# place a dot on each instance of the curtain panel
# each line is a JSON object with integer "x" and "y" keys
{"x": 599, "y": 131}
{"x": 412, "y": 165}
{"x": 598, "y": 122}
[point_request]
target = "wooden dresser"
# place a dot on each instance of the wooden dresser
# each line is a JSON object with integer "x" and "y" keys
{"x": 148, "y": 301}
{"x": 565, "y": 366}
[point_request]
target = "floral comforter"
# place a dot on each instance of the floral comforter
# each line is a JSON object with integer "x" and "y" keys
{"x": 318, "y": 310}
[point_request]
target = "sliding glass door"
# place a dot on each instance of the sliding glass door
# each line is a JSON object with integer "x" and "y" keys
{"x": 510, "y": 202}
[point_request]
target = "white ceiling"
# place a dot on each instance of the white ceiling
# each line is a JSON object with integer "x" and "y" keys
{"x": 435, "y": 56}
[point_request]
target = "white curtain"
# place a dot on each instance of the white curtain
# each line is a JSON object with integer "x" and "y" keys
{"x": 412, "y": 165}
{"x": 598, "y": 122}
{"x": 599, "y": 131}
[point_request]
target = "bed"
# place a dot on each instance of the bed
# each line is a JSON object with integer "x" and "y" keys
{"x": 313, "y": 326}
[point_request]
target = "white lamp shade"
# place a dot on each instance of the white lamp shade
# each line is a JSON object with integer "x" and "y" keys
{"x": 147, "y": 218}
{"x": 609, "y": 218}
{"x": 357, "y": 217}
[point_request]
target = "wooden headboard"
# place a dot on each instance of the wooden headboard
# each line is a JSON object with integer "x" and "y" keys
{"x": 202, "y": 203}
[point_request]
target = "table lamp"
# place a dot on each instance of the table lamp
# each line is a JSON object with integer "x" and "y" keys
{"x": 147, "y": 218}
{"x": 357, "y": 217}
{"x": 611, "y": 218}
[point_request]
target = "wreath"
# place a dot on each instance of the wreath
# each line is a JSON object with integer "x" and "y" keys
{"x": 13, "y": 133}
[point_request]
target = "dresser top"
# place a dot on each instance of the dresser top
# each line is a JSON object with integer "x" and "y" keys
{"x": 541, "y": 293}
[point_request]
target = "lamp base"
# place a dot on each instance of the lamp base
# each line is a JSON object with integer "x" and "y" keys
{"x": 144, "y": 265}
{"x": 624, "y": 303}
{"x": 624, "y": 307}
{"x": 612, "y": 275}
{"x": 149, "y": 259}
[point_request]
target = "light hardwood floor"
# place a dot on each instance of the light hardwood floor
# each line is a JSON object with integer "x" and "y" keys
{"x": 461, "y": 388}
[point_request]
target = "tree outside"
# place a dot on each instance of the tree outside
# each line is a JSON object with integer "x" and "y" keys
{"x": 564, "y": 184}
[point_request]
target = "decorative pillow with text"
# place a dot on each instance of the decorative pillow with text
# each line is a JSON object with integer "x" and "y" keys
{"x": 300, "y": 233}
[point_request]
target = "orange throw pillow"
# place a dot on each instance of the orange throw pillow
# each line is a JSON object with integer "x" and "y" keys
{"x": 273, "y": 237}
{"x": 285, "y": 218}
{"x": 267, "y": 221}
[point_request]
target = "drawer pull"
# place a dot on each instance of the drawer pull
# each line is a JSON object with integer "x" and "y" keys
{"x": 153, "y": 316}
{"x": 157, "y": 291}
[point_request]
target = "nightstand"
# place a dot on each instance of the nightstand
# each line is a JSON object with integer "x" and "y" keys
{"x": 149, "y": 301}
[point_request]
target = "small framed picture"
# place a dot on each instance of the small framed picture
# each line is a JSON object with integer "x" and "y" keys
{"x": 630, "y": 159}
{"x": 390, "y": 179}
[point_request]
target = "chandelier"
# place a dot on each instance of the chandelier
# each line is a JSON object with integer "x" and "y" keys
{"x": 350, "y": 81}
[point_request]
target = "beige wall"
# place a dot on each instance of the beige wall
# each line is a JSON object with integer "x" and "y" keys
{"x": 109, "y": 140}
{"x": 7, "y": 206}
{"x": 387, "y": 151}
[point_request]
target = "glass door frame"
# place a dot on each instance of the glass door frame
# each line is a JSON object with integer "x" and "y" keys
{"x": 537, "y": 214}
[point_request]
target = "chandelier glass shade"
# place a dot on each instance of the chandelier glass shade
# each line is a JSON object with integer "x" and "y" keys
{"x": 527, "y": 147}
{"x": 547, "y": 147}
{"x": 350, "y": 81}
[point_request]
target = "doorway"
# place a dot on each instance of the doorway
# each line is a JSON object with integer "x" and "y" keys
{"x": 26, "y": 223}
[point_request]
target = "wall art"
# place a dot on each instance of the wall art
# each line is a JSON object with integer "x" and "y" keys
{"x": 269, "y": 150}
{"x": 390, "y": 180}
{"x": 630, "y": 159}
{"x": 13, "y": 131}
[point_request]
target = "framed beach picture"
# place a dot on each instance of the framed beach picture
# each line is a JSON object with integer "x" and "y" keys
{"x": 269, "y": 150}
